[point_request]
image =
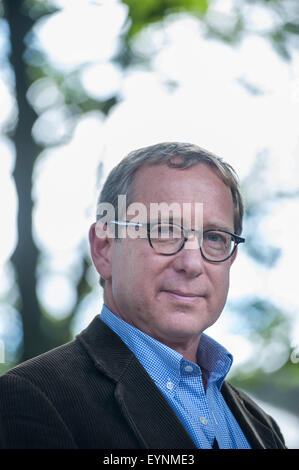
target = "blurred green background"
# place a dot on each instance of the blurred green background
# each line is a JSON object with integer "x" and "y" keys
{"x": 84, "y": 82}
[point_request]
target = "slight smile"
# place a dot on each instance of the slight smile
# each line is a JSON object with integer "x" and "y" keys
{"x": 183, "y": 296}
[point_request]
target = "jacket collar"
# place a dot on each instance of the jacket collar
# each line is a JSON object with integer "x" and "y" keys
{"x": 142, "y": 404}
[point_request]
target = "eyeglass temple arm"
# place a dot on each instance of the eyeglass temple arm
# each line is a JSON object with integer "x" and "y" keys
{"x": 125, "y": 224}
{"x": 239, "y": 239}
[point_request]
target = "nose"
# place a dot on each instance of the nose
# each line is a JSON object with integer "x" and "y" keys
{"x": 189, "y": 260}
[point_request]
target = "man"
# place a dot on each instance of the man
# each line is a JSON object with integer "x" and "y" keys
{"x": 143, "y": 374}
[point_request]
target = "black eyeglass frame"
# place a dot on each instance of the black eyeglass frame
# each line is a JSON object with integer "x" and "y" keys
{"x": 236, "y": 238}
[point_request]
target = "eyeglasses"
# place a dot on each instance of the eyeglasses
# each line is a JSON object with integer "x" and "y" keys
{"x": 216, "y": 245}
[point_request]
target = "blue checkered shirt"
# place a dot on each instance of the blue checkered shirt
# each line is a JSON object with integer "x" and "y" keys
{"x": 204, "y": 414}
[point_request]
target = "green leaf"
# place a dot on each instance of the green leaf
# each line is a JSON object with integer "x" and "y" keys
{"x": 144, "y": 12}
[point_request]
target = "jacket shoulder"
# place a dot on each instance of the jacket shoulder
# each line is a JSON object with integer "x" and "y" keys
{"x": 29, "y": 413}
{"x": 46, "y": 401}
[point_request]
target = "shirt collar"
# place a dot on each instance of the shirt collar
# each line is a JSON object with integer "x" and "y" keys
{"x": 214, "y": 358}
{"x": 160, "y": 361}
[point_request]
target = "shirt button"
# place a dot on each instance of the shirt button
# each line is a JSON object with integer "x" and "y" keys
{"x": 203, "y": 420}
{"x": 170, "y": 385}
{"x": 189, "y": 369}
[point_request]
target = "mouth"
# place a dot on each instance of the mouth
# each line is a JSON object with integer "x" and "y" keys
{"x": 182, "y": 296}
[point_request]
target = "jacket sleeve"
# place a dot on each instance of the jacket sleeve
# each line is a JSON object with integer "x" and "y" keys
{"x": 28, "y": 419}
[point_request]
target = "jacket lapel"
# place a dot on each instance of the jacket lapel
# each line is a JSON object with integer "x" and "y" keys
{"x": 259, "y": 436}
{"x": 142, "y": 404}
{"x": 148, "y": 412}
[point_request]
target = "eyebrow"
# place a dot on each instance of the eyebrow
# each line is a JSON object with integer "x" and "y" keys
{"x": 210, "y": 225}
{"x": 218, "y": 226}
{"x": 179, "y": 221}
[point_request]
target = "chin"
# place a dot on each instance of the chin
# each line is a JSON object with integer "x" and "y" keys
{"x": 183, "y": 329}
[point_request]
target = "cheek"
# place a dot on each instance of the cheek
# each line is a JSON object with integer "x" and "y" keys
{"x": 219, "y": 279}
{"x": 130, "y": 267}
{"x": 137, "y": 269}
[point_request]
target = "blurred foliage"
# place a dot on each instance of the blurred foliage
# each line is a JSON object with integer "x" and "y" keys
{"x": 269, "y": 374}
{"x": 142, "y": 14}
{"x": 265, "y": 324}
{"x": 230, "y": 27}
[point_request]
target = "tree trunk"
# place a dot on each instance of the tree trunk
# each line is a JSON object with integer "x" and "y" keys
{"x": 25, "y": 256}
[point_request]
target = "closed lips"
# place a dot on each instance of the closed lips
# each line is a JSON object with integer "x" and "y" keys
{"x": 182, "y": 294}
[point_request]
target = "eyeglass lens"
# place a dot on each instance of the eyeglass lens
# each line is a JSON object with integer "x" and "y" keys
{"x": 167, "y": 239}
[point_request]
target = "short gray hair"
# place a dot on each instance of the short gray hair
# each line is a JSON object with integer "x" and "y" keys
{"x": 174, "y": 155}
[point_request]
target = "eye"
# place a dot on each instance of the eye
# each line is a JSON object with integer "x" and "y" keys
{"x": 216, "y": 240}
{"x": 213, "y": 237}
{"x": 162, "y": 231}
{"x": 166, "y": 231}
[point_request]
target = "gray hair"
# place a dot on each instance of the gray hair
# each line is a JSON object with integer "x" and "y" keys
{"x": 174, "y": 155}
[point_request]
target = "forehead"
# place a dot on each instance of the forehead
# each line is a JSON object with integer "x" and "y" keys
{"x": 197, "y": 184}
{"x": 157, "y": 183}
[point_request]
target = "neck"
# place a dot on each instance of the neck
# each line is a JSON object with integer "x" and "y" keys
{"x": 187, "y": 349}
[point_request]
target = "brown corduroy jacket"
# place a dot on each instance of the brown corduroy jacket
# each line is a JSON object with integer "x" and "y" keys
{"x": 93, "y": 393}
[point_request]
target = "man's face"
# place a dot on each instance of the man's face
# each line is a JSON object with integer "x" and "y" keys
{"x": 172, "y": 298}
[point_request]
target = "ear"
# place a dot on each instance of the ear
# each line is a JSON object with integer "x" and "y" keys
{"x": 101, "y": 249}
{"x": 232, "y": 259}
